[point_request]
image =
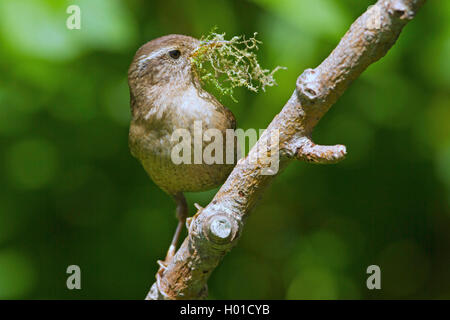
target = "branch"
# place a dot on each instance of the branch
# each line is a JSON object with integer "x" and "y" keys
{"x": 214, "y": 230}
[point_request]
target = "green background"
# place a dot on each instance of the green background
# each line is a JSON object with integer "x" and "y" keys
{"x": 71, "y": 193}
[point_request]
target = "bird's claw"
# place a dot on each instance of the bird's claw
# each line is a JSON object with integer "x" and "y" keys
{"x": 199, "y": 207}
{"x": 162, "y": 265}
{"x": 158, "y": 283}
{"x": 188, "y": 222}
{"x": 190, "y": 219}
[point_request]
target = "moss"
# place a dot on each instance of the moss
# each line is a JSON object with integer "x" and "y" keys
{"x": 227, "y": 64}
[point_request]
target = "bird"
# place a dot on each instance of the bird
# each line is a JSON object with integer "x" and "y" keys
{"x": 166, "y": 95}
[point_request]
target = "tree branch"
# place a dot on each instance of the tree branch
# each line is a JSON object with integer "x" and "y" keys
{"x": 214, "y": 230}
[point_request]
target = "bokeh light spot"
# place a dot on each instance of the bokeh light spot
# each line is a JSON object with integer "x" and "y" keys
{"x": 32, "y": 164}
{"x": 313, "y": 283}
{"x": 117, "y": 101}
{"x": 16, "y": 275}
{"x": 404, "y": 268}
{"x": 322, "y": 249}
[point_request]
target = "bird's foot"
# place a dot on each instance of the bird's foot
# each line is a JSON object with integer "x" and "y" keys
{"x": 158, "y": 281}
{"x": 163, "y": 266}
{"x": 169, "y": 256}
{"x": 164, "y": 263}
{"x": 199, "y": 208}
{"x": 190, "y": 219}
{"x": 188, "y": 222}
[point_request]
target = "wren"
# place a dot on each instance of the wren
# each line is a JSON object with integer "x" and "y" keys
{"x": 166, "y": 95}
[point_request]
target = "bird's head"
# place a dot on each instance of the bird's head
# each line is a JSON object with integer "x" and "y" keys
{"x": 162, "y": 67}
{"x": 165, "y": 60}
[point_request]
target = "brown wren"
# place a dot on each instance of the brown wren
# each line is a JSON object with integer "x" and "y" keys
{"x": 166, "y": 95}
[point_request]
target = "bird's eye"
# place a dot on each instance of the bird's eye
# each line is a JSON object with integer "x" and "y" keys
{"x": 174, "y": 54}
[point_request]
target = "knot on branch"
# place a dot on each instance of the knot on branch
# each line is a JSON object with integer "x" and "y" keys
{"x": 401, "y": 10}
{"x": 309, "y": 88}
{"x": 220, "y": 230}
{"x": 310, "y": 152}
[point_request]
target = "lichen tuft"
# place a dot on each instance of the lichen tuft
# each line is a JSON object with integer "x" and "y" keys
{"x": 227, "y": 64}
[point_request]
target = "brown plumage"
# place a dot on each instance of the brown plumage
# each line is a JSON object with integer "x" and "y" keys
{"x": 165, "y": 95}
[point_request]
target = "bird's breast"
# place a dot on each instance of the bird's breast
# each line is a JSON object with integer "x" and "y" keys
{"x": 185, "y": 110}
{"x": 153, "y": 138}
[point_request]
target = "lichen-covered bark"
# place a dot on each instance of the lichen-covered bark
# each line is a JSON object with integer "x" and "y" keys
{"x": 367, "y": 40}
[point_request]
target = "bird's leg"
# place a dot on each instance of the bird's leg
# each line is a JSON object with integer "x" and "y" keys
{"x": 182, "y": 212}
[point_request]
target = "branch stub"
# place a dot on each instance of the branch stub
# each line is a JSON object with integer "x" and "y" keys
{"x": 220, "y": 229}
{"x": 309, "y": 89}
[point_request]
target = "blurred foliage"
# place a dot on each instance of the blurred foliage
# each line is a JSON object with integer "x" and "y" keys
{"x": 72, "y": 194}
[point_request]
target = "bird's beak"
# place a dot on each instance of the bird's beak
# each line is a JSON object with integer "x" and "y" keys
{"x": 204, "y": 46}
